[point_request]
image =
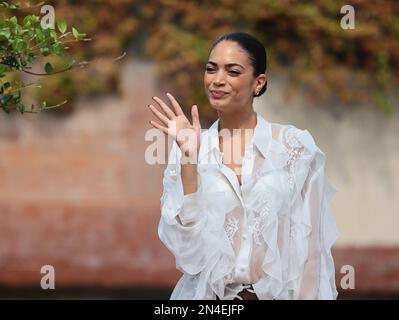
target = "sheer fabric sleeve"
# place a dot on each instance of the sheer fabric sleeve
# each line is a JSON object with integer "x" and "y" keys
{"x": 182, "y": 220}
{"x": 318, "y": 277}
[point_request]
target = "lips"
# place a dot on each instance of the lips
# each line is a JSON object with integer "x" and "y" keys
{"x": 218, "y": 93}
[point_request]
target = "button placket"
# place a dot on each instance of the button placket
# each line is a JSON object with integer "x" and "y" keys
{"x": 244, "y": 252}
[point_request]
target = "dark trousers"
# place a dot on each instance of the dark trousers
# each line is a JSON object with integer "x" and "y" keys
{"x": 245, "y": 295}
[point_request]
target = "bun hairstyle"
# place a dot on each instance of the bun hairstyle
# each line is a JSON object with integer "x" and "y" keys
{"x": 255, "y": 49}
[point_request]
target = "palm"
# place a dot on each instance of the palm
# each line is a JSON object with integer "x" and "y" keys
{"x": 177, "y": 126}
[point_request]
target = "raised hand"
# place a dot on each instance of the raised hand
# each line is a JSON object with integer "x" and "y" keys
{"x": 175, "y": 124}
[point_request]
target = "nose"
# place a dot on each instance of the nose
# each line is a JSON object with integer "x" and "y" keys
{"x": 219, "y": 78}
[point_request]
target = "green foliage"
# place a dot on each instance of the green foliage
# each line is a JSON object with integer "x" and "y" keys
{"x": 62, "y": 26}
{"x": 21, "y": 44}
{"x": 112, "y": 27}
{"x": 304, "y": 41}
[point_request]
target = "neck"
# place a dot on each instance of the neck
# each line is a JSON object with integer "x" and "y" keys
{"x": 241, "y": 120}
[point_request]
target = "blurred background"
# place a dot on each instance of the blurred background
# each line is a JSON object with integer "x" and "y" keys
{"x": 77, "y": 194}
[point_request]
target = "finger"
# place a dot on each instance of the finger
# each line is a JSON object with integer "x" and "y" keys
{"x": 169, "y": 113}
{"x": 195, "y": 116}
{"x": 158, "y": 114}
{"x": 175, "y": 104}
{"x": 158, "y": 126}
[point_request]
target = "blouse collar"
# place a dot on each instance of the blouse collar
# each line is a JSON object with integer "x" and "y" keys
{"x": 262, "y": 137}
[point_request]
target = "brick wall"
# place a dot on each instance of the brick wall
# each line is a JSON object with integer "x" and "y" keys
{"x": 77, "y": 194}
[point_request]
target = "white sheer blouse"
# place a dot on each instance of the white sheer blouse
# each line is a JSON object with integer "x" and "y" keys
{"x": 274, "y": 231}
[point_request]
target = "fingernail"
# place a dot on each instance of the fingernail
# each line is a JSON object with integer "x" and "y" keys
{"x": 167, "y": 93}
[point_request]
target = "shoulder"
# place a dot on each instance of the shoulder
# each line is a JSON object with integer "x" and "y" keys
{"x": 294, "y": 138}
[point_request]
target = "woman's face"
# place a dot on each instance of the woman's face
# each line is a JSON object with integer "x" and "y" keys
{"x": 228, "y": 79}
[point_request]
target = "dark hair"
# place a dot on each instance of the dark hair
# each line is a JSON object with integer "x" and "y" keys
{"x": 255, "y": 49}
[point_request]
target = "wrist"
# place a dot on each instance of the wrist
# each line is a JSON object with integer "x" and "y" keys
{"x": 189, "y": 157}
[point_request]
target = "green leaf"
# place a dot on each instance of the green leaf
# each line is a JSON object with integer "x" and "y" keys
{"x": 27, "y": 22}
{"x": 62, "y": 26}
{"x": 5, "y": 34}
{"x": 20, "y": 45}
{"x": 9, "y": 6}
{"x": 48, "y": 68}
{"x": 71, "y": 63}
{"x": 21, "y": 107}
{"x": 4, "y": 88}
{"x": 40, "y": 37}
{"x": 75, "y": 33}
{"x": 17, "y": 99}
{"x": 58, "y": 48}
{"x": 13, "y": 20}
{"x": 4, "y": 102}
{"x": 45, "y": 51}
{"x": 53, "y": 34}
{"x": 35, "y": 19}
{"x": 24, "y": 62}
{"x": 18, "y": 30}
{"x": 30, "y": 58}
{"x": 6, "y": 108}
{"x": 4, "y": 68}
{"x": 47, "y": 32}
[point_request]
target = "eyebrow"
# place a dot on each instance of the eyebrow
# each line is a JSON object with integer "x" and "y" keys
{"x": 226, "y": 65}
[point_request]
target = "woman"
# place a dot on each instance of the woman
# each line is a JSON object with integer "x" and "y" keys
{"x": 246, "y": 204}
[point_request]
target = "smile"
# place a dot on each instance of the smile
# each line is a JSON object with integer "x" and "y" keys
{"x": 218, "y": 94}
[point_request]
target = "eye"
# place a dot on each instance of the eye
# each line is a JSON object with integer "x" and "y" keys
{"x": 209, "y": 69}
{"x": 234, "y": 72}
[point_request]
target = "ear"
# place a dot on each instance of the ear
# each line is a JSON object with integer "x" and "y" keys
{"x": 261, "y": 80}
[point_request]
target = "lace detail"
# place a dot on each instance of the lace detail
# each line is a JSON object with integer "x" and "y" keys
{"x": 291, "y": 138}
{"x": 260, "y": 219}
{"x": 259, "y": 225}
{"x": 231, "y": 228}
{"x": 295, "y": 151}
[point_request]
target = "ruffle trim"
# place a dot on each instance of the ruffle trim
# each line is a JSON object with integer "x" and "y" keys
{"x": 301, "y": 228}
{"x": 211, "y": 281}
